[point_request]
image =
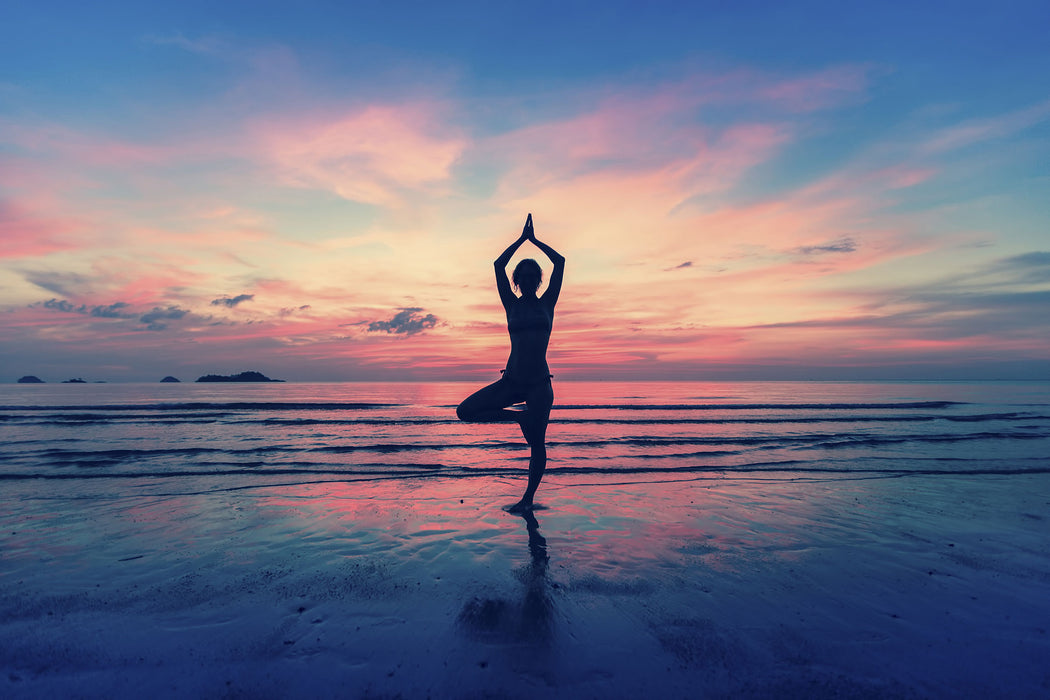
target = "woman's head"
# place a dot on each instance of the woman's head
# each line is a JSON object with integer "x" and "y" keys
{"x": 527, "y": 275}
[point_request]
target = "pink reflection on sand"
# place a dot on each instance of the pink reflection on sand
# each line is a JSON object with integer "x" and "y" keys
{"x": 607, "y": 531}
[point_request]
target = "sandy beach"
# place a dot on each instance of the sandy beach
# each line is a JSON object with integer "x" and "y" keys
{"x": 771, "y": 586}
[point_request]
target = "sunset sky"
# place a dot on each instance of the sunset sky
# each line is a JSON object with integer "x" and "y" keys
{"x": 742, "y": 190}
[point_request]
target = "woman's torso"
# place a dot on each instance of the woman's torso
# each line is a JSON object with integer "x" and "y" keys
{"x": 529, "y": 323}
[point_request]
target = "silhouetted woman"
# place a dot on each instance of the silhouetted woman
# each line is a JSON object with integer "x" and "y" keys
{"x": 526, "y": 377}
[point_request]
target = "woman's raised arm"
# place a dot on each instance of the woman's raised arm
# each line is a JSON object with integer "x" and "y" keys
{"x": 502, "y": 283}
{"x": 550, "y": 296}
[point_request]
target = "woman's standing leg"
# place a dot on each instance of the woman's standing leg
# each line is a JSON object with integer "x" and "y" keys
{"x": 534, "y": 428}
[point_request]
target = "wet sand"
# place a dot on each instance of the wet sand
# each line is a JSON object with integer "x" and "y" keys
{"x": 925, "y": 586}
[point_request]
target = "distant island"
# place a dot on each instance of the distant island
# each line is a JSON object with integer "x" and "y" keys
{"x": 168, "y": 379}
{"x": 74, "y": 381}
{"x": 30, "y": 379}
{"x": 249, "y": 376}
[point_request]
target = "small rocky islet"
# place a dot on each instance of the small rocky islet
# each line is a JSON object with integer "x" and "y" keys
{"x": 249, "y": 376}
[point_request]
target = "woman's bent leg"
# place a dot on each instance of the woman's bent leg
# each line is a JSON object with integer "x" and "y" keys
{"x": 489, "y": 405}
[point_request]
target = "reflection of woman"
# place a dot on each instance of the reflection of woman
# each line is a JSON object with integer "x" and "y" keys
{"x": 527, "y": 377}
{"x": 532, "y": 620}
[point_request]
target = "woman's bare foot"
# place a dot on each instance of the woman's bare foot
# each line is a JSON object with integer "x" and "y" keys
{"x": 521, "y": 507}
{"x": 524, "y": 506}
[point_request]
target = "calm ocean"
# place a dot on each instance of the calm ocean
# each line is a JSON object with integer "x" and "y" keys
{"x": 83, "y": 439}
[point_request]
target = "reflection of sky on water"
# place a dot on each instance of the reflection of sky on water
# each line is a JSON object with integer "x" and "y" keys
{"x": 592, "y": 532}
{"x": 629, "y": 529}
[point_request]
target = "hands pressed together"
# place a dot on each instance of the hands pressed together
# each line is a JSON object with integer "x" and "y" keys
{"x": 528, "y": 233}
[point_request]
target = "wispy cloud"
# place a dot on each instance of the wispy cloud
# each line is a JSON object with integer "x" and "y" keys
{"x": 842, "y": 245}
{"x": 28, "y": 235}
{"x": 973, "y": 131}
{"x": 206, "y": 45}
{"x": 64, "y": 283}
{"x": 380, "y": 154}
{"x": 1028, "y": 268}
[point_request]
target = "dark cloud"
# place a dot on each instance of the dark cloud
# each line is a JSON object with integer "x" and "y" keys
{"x": 114, "y": 310}
{"x": 948, "y": 316}
{"x": 842, "y": 245}
{"x": 292, "y": 310}
{"x": 1036, "y": 258}
{"x": 63, "y": 305}
{"x": 1016, "y": 273}
{"x": 404, "y": 322}
{"x": 1030, "y": 268}
{"x": 687, "y": 263}
{"x": 232, "y": 301}
{"x": 64, "y": 283}
{"x": 154, "y": 319}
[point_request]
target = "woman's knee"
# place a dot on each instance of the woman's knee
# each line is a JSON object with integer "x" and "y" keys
{"x": 464, "y": 412}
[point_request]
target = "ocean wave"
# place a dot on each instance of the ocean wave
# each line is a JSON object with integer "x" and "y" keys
{"x": 879, "y": 440}
{"x": 811, "y": 441}
{"x": 208, "y": 405}
{"x": 243, "y": 443}
{"x": 240, "y": 406}
{"x": 904, "y": 418}
{"x": 402, "y": 471}
{"x": 233, "y": 418}
{"x": 759, "y": 406}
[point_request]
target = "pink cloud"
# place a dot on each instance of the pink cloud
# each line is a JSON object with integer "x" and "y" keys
{"x": 903, "y": 176}
{"x": 820, "y": 90}
{"x": 632, "y": 174}
{"x": 24, "y": 235}
{"x": 374, "y": 155}
{"x": 974, "y": 131}
{"x": 653, "y": 131}
{"x": 55, "y": 140}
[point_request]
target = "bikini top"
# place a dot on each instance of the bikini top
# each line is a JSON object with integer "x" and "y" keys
{"x": 528, "y": 319}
